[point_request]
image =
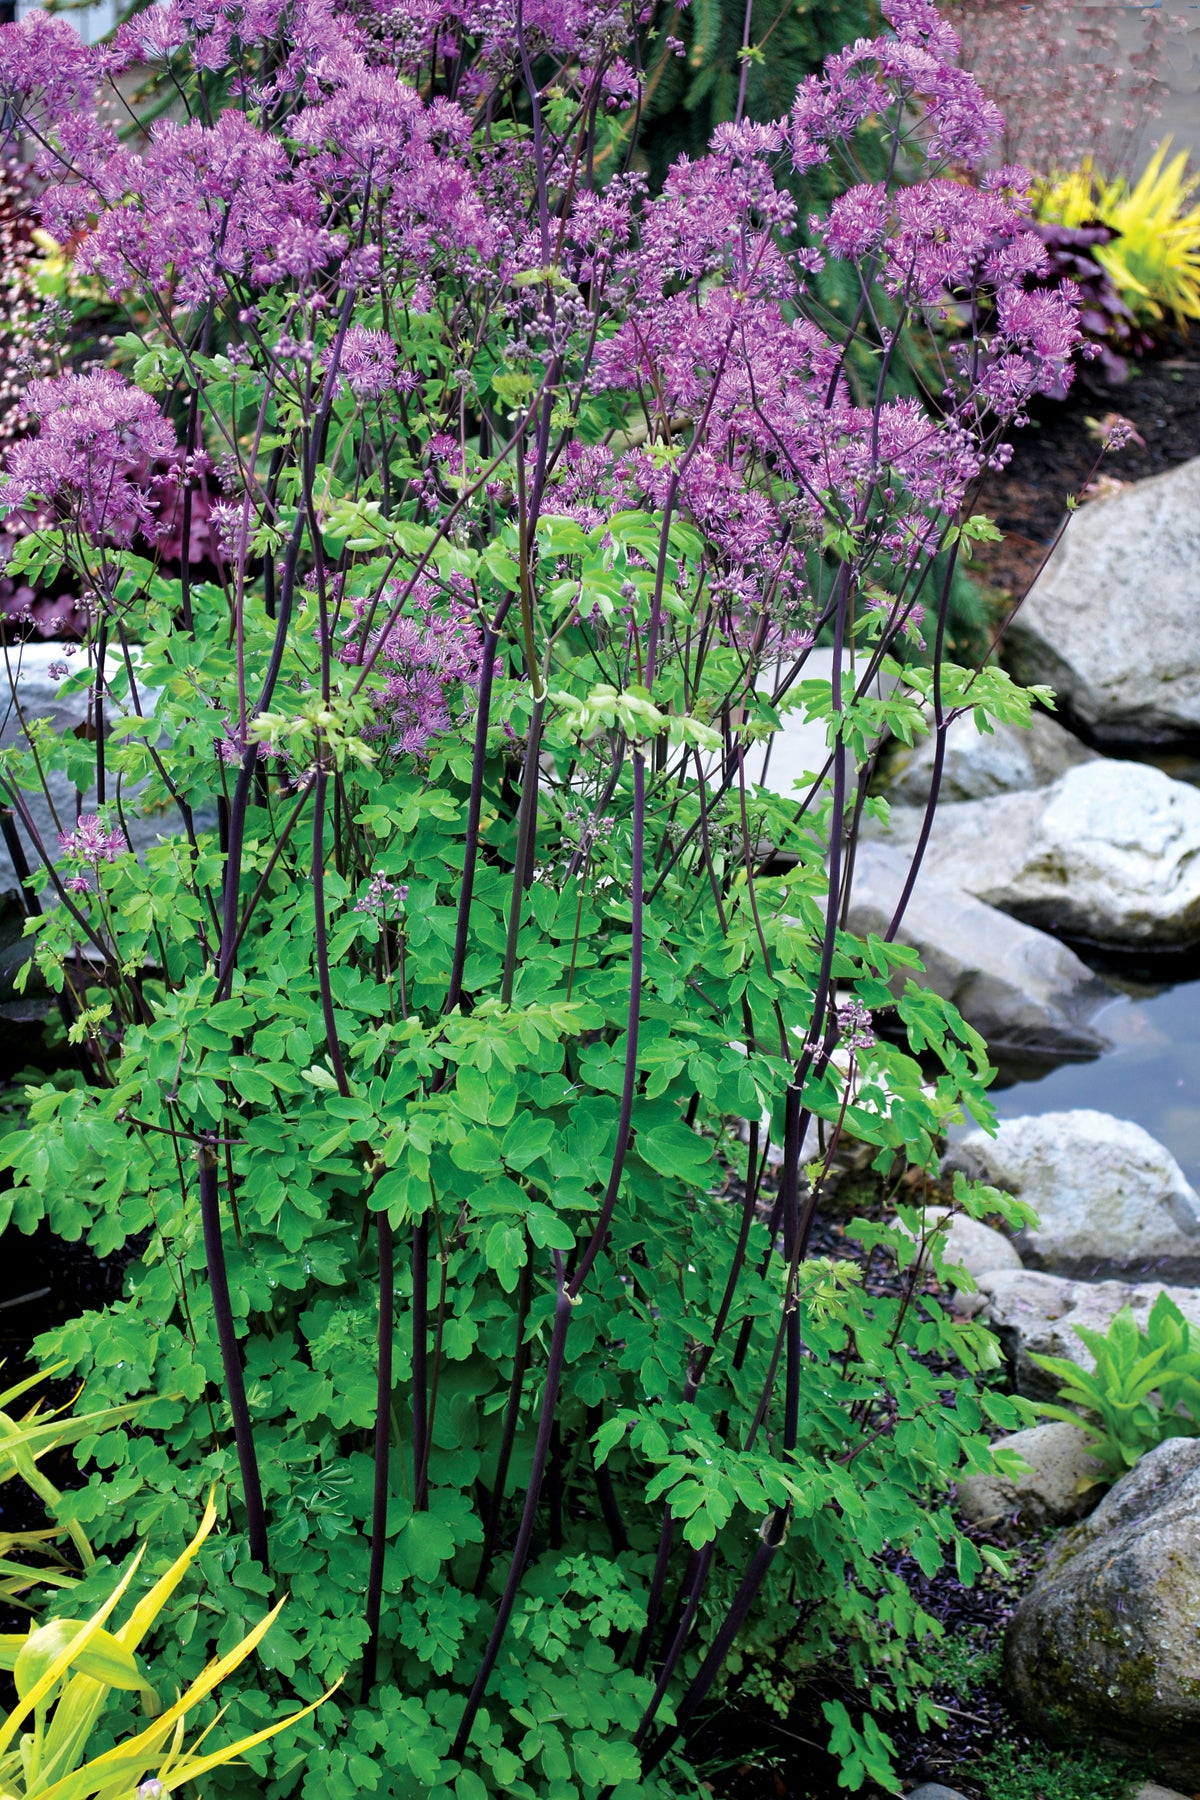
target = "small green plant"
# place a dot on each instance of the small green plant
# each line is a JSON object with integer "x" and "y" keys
{"x": 961, "y": 1662}
{"x": 1033, "y": 1772}
{"x": 64, "y": 1673}
{"x": 1145, "y": 1386}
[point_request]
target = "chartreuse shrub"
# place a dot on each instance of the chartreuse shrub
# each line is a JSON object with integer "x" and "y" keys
{"x": 1153, "y": 257}
{"x": 413, "y": 1049}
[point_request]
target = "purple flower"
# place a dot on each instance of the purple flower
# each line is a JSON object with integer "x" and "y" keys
{"x": 47, "y": 58}
{"x": 423, "y": 661}
{"x": 383, "y": 896}
{"x": 98, "y": 434}
{"x": 92, "y": 842}
{"x": 368, "y": 362}
{"x": 855, "y": 1027}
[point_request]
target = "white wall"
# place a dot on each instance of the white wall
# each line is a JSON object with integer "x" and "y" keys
{"x": 90, "y": 21}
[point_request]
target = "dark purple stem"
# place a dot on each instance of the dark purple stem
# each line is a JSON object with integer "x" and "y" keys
{"x": 379, "y": 1500}
{"x": 231, "y": 1358}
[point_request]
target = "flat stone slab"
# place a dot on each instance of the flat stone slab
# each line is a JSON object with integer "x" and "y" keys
{"x": 1022, "y": 989}
{"x": 978, "y": 763}
{"x": 1109, "y": 854}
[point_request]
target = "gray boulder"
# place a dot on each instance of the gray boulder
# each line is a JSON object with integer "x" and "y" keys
{"x": 36, "y": 683}
{"x": 978, "y": 764}
{"x": 1019, "y": 987}
{"x": 977, "y": 1248}
{"x": 791, "y": 760}
{"x": 1033, "y": 1314}
{"x": 933, "y": 1790}
{"x": 1110, "y": 1199}
{"x": 1109, "y": 854}
{"x": 1151, "y": 1790}
{"x": 1112, "y": 623}
{"x": 1104, "y": 1646}
{"x": 968, "y": 1243}
{"x": 1059, "y": 1485}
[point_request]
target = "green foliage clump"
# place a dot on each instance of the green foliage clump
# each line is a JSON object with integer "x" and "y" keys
{"x": 1144, "y": 1388}
{"x": 962, "y": 1662}
{"x": 1035, "y": 1772}
{"x": 412, "y": 1066}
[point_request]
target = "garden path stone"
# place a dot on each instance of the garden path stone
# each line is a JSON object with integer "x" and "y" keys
{"x": 1022, "y": 989}
{"x": 1111, "y": 1200}
{"x": 1110, "y": 623}
{"x": 978, "y": 764}
{"x": 1151, "y": 1790}
{"x": 1104, "y": 1646}
{"x": 1033, "y": 1313}
{"x": 1108, "y": 854}
{"x": 933, "y": 1790}
{"x": 1058, "y": 1487}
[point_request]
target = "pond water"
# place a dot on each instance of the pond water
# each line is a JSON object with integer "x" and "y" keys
{"x": 1151, "y": 1075}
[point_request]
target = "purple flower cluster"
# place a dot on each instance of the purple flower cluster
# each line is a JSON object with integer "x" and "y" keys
{"x": 855, "y": 1026}
{"x": 420, "y": 665}
{"x": 92, "y": 843}
{"x": 915, "y": 63}
{"x": 368, "y": 362}
{"x": 341, "y": 166}
{"x": 382, "y": 896}
{"x": 98, "y": 436}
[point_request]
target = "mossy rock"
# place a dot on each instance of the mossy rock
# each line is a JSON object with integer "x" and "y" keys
{"x": 1105, "y": 1647}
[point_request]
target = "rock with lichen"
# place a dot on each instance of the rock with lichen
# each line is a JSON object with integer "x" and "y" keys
{"x": 1105, "y": 1647}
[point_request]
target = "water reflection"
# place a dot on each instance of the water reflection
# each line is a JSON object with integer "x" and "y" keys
{"x": 1151, "y": 1075}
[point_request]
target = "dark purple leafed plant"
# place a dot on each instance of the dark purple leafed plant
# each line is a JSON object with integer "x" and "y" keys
{"x": 416, "y": 1037}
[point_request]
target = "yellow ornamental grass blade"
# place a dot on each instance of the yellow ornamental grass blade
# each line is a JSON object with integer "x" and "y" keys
{"x": 220, "y": 1667}
{"x": 123, "y": 1766}
{"x": 23, "y": 1441}
{"x": 1157, "y": 255}
{"x": 30, "y": 1381}
{"x": 41, "y": 1689}
{"x": 102, "y": 1658}
{"x": 121, "y": 1769}
{"x": 119, "y": 1789}
{"x": 193, "y": 1767}
{"x": 75, "y": 1714}
{"x": 148, "y": 1608}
